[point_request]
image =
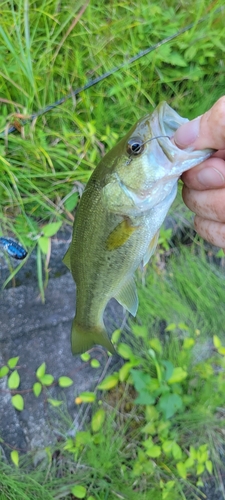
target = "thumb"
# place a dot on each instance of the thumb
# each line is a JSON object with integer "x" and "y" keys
{"x": 205, "y": 131}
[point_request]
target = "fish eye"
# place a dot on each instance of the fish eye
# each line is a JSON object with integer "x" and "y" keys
{"x": 135, "y": 146}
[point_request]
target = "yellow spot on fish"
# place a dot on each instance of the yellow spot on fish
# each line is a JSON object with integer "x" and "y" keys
{"x": 78, "y": 400}
{"x": 120, "y": 235}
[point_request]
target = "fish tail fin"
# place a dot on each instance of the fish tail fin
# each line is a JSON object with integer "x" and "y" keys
{"x": 83, "y": 339}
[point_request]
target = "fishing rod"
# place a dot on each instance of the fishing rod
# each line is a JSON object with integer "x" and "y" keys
{"x": 91, "y": 83}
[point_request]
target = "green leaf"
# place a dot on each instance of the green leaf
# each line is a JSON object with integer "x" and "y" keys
{"x": 176, "y": 451}
{"x": 12, "y": 362}
{"x": 220, "y": 253}
{"x": 41, "y": 370}
{"x": 209, "y": 466}
{"x": 15, "y": 457}
{"x": 200, "y": 469}
{"x": 14, "y": 380}
{"x": 37, "y": 388}
{"x": 145, "y": 398}
{"x": 156, "y": 345}
{"x": 18, "y": 402}
{"x": 193, "y": 453}
{"x": 149, "y": 428}
{"x": 98, "y": 420}
{"x": 109, "y": 382}
{"x": 141, "y": 379}
{"x": 177, "y": 376}
{"x": 116, "y": 336}
{"x": 51, "y": 229}
{"x": 154, "y": 451}
{"x": 176, "y": 59}
{"x": 202, "y": 456}
{"x": 200, "y": 483}
{"x": 168, "y": 446}
{"x": 83, "y": 438}
{"x": 124, "y": 371}
{"x": 183, "y": 326}
{"x": 85, "y": 356}
{"x": 71, "y": 202}
{"x": 189, "y": 462}
{"x": 54, "y": 402}
{"x": 44, "y": 244}
{"x": 79, "y": 491}
{"x": 3, "y": 371}
{"x": 151, "y": 413}
{"x": 95, "y": 363}
{"x": 140, "y": 331}
{"x": 169, "y": 369}
{"x": 169, "y": 404}
{"x": 65, "y": 381}
{"x": 125, "y": 351}
{"x": 171, "y": 327}
{"x": 47, "y": 379}
{"x": 87, "y": 397}
{"x": 217, "y": 342}
{"x": 188, "y": 343}
{"x": 181, "y": 469}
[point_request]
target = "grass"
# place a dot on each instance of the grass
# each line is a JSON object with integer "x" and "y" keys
{"x": 157, "y": 426}
{"x": 46, "y": 49}
{"x": 45, "y": 52}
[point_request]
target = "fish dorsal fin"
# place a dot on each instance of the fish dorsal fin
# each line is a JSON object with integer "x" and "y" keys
{"x": 120, "y": 234}
{"x": 151, "y": 248}
{"x": 127, "y": 296}
{"x": 66, "y": 259}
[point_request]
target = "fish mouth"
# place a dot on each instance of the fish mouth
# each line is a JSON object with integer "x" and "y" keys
{"x": 169, "y": 120}
{"x": 181, "y": 159}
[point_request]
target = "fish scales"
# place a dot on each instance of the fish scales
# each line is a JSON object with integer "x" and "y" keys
{"x": 118, "y": 219}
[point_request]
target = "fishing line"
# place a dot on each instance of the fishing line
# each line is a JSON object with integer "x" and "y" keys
{"x": 135, "y": 146}
{"x": 142, "y": 53}
{"x": 157, "y": 137}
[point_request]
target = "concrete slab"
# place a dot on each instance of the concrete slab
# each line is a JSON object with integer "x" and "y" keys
{"x": 38, "y": 332}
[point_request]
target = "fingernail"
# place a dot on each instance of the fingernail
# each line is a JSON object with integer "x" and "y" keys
{"x": 210, "y": 177}
{"x": 187, "y": 133}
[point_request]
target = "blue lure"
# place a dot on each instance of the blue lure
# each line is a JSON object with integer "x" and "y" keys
{"x": 13, "y": 248}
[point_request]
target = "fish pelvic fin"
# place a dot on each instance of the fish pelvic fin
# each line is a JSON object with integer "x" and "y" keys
{"x": 66, "y": 259}
{"x": 83, "y": 339}
{"x": 127, "y": 296}
{"x": 151, "y": 248}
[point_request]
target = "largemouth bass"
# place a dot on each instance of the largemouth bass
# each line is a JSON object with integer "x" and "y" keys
{"x": 119, "y": 216}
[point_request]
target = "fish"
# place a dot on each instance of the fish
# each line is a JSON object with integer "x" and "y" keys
{"x": 118, "y": 219}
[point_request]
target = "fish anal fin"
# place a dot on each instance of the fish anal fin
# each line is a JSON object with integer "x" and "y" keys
{"x": 151, "y": 248}
{"x": 127, "y": 296}
{"x": 66, "y": 259}
{"x": 120, "y": 234}
{"x": 83, "y": 339}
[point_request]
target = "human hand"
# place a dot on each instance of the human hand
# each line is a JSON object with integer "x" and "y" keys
{"x": 204, "y": 185}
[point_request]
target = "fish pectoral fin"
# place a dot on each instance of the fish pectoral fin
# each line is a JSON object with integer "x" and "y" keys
{"x": 83, "y": 339}
{"x": 120, "y": 234}
{"x": 66, "y": 259}
{"x": 127, "y": 296}
{"x": 151, "y": 248}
